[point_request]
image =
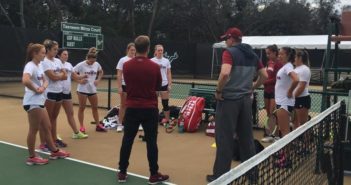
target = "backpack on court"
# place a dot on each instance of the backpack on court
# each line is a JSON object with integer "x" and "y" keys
{"x": 110, "y": 121}
{"x": 190, "y": 114}
{"x": 210, "y": 129}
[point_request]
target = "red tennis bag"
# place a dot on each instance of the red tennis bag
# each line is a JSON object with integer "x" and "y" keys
{"x": 190, "y": 115}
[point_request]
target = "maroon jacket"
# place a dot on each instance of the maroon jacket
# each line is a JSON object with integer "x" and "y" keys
{"x": 272, "y": 70}
{"x": 143, "y": 78}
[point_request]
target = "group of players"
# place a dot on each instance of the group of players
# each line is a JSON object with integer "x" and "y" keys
{"x": 47, "y": 82}
{"x": 47, "y": 79}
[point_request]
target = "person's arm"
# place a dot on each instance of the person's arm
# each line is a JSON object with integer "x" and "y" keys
{"x": 227, "y": 62}
{"x": 169, "y": 78}
{"x": 262, "y": 76}
{"x": 119, "y": 81}
{"x": 295, "y": 81}
{"x": 26, "y": 81}
{"x": 300, "y": 88}
{"x": 55, "y": 77}
{"x": 99, "y": 77}
{"x": 222, "y": 80}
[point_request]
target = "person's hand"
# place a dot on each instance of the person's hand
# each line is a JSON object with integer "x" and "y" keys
{"x": 96, "y": 83}
{"x": 169, "y": 88}
{"x": 219, "y": 96}
{"x": 40, "y": 90}
{"x": 120, "y": 90}
{"x": 83, "y": 81}
{"x": 290, "y": 94}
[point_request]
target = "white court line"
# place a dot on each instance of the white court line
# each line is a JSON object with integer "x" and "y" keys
{"x": 84, "y": 162}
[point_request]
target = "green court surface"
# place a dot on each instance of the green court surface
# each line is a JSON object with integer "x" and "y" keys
{"x": 14, "y": 171}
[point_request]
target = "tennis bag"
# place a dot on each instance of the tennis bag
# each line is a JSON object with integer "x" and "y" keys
{"x": 190, "y": 115}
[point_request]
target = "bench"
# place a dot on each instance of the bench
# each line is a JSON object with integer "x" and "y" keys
{"x": 210, "y": 100}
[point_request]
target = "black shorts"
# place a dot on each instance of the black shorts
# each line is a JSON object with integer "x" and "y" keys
{"x": 163, "y": 88}
{"x": 268, "y": 95}
{"x": 87, "y": 94}
{"x": 303, "y": 102}
{"x": 30, "y": 107}
{"x": 286, "y": 107}
{"x": 66, "y": 96}
{"x": 124, "y": 88}
{"x": 54, "y": 96}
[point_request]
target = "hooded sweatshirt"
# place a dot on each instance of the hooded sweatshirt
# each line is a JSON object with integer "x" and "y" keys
{"x": 245, "y": 64}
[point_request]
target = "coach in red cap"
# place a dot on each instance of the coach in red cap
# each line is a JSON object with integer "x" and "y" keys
{"x": 233, "y": 94}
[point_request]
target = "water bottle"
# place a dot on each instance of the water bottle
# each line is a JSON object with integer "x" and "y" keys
{"x": 181, "y": 126}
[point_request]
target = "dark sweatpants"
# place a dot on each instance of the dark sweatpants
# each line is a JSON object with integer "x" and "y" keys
{"x": 148, "y": 117}
{"x": 233, "y": 117}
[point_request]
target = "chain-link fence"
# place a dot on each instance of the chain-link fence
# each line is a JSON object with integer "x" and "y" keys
{"x": 108, "y": 96}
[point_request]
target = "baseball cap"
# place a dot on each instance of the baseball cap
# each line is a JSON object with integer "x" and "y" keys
{"x": 232, "y": 32}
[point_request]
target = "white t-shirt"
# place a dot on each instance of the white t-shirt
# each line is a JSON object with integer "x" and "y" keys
{"x": 56, "y": 66}
{"x": 164, "y": 66}
{"x": 304, "y": 74}
{"x": 36, "y": 76}
{"x": 120, "y": 66}
{"x": 66, "y": 84}
{"x": 283, "y": 84}
{"x": 83, "y": 68}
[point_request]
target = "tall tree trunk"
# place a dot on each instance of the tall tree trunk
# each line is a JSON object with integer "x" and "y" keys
{"x": 21, "y": 13}
{"x": 152, "y": 20}
{"x": 132, "y": 17}
{"x": 6, "y": 15}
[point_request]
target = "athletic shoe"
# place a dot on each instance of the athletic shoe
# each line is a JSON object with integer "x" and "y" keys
{"x": 100, "y": 128}
{"x": 268, "y": 139}
{"x": 122, "y": 177}
{"x": 44, "y": 148}
{"x": 79, "y": 135}
{"x": 37, "y": 160}
{"x": 164, "y": 122}
{"x": 154, "y": 179}
{"x": 60, "y": 154}
{"x": 140, "y": 128}
{"x": 120, "y": 128}
{"x": 60, "y": 143}
{"x": 82, "y": 129}
{"x": 283, "y": 162}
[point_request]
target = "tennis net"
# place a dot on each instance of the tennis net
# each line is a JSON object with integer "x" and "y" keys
{"x": 311, "y": 154}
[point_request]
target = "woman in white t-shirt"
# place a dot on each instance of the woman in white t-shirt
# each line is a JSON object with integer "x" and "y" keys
{"x": 87, "y": 88}
{"x": 33, "y": 103}
{"x": 121, "y": 85}
{"x": 54, "y": 73}
{"x": 165, "y": 67}
{"x": 286, "y": 82}
{"x": 67, "y": 96}
{"x": 301, "y": 94}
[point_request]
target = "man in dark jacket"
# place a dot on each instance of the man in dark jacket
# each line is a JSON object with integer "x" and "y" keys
{"x": 233, "y": 93}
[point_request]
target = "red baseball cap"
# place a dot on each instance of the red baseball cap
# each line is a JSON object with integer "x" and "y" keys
{"x": 232, "y": 32}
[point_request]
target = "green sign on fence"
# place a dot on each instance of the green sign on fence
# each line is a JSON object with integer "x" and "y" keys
{"x": 81, "y": 36}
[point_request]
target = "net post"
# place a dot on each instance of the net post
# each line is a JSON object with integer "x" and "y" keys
{"x": 109, "y": 94}
{"x": 342, "y": 126}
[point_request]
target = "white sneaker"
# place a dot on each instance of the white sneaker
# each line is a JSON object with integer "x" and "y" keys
{"x": 120, "y": 128}
{"x": 141, "y": 128}
{"x": 268, "y": 139}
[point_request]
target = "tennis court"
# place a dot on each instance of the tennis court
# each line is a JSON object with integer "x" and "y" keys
{"x": 58, "y": 172}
